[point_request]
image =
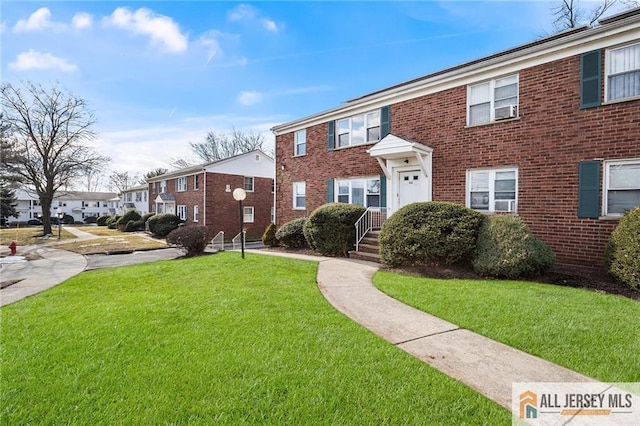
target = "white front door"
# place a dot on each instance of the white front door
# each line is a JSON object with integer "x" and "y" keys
{"x": 410, "y": 187}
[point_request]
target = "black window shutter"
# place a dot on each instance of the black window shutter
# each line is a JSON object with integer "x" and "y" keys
{"x": 331, "y": 140}
{"x": 383, "y": 191}
{"x": 589, "y": 189}
{"x": 330, "y": 198}
{"x": 590, "y": 83}
{"x": 384, "y": 121}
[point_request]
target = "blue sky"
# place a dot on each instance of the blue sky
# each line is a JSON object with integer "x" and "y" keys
{"x": 159, "y": 75}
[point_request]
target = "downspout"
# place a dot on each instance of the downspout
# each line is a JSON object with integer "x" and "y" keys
{"x": 204, "y": 198}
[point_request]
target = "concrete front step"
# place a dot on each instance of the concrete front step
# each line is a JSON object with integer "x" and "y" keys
{"x": 361, "y": 255}
{"x": 369, "y": 248}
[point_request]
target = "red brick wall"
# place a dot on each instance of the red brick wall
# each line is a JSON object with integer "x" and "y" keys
{"x": 546, "y": 144}
{"x": 223, "y": 211}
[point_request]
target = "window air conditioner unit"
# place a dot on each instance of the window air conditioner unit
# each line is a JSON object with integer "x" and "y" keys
{"x": 507, "y": 206}
{"x": 509, "y": 111}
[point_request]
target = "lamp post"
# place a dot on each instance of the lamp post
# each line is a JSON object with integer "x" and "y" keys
{"x": 59, "y": 215}
{"x": 239, "y": 195}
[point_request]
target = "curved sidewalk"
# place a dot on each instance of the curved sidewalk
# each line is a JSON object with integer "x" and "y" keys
{"x": 483, "y": 364}
{"x": 51, "y": 267}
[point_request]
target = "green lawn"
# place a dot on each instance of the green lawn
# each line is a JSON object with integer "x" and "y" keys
{"x": 212, "y": 339}
{"x": 593, "y": 333}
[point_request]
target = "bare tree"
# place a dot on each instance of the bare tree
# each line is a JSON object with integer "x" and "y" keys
{"x": 570, "y": 14}
{"x": 48, "y": 143}
{"x": 153, "y": 173}
{"x": 121, "y": 181}
{"x": 220, "y": 146}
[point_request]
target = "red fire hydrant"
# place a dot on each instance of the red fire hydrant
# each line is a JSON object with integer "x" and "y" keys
{"x": 13, "y": 246}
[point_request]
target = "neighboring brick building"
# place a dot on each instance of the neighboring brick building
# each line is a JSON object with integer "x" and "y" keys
{"x": 549, "y": 130}
{"x": 202, "y": 194}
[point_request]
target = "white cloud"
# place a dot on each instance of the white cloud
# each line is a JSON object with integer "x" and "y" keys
{"x": 270, "y": 25}
{"x": 250, "y": 14}
{"x": 34, "y": 60}
{"x": 38, "y": 20}
{"x": 82, "y": 20}
{"x": 249, "y": 98}
{"x": 161, "y": 29}
{"x": 243, "y": 12}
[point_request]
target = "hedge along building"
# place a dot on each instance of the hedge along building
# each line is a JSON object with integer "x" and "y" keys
{"x": 202, "y": 194}
{"x": 548, "y": 131}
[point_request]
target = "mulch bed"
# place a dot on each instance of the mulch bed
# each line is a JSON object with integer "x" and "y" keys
{"x": 601, "y": 284}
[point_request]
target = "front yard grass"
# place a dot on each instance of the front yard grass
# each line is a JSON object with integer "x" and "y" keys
{"x": 31, "y": 235}
{"x": 213, "y": 339}
{"x": 119, "y": 242}
{"x": 593, "y": 333}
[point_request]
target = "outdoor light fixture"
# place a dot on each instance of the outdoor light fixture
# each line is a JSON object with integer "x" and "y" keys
{"x": 239, "y": 195}
{"x": 59, "y": 214}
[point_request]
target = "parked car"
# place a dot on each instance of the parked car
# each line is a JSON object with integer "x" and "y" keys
{"x": 34, "y": 222}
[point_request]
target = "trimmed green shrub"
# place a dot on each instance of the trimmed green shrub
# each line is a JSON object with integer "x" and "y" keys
{"x": 507, "y": 249}
{"x": 429, "y": 232}
{"x": 291, "y": 234}
{"x": 102, "y": 220}
{"x": 67, "y": 219}
{"x": 90, "y": 219}
{"x": 127, "y": 217}
{"x": 145, "y": 217}
{"x": 112, "y": 222}
{"x": 624, "y": 260}
{"x": 131, "y": 226}
{"x": 330, "y": 228}
{"x": 269, "y": 237}
{"x": 192, "y": 239}
{"x": 161, "y": 224}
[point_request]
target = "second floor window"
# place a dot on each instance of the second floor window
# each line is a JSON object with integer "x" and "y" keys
{"x": 196, "y": 181}
{"x": 623, "y": 72}
{"x": 163, "y": 186}
{"x": 492, "y": 100}
{"x": 181, "y": 184}
{"x": 300, "y": 143}
{"x": 359, "y": 129}
{"x": 248, "y": 183}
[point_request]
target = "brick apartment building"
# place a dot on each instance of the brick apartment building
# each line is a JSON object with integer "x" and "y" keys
{"x": 549, "y": 131}
{"x": 202, "y": 194}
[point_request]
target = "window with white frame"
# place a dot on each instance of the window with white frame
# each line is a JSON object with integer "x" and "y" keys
{"x": 196, "y": 181}
{"x": 299, "y": 195}
{"x": 248, "y": 183}
{"x": 273, "y": 215}
{"x": 364, "y": 191}
{"x": 138, "y": 197}
{"x": 622, "y": 186}
{"x": 300, "y": 142}
{"x": 181, "y": 184}
{"x": 623, "y": 72}
{"x": 163, "y": 186}
{"x": 196, "y": 213}
{"x": 494, "y": 190}
{"x": 492, "y": 100}
{"x": 182, "y": 212}
{"x": 359, "y": 129}
{"x": 248, "y": 214}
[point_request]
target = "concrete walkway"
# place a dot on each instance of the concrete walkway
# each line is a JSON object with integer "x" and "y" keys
{"x": 483, "y": 364}
{"x": 49, "y": 268}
